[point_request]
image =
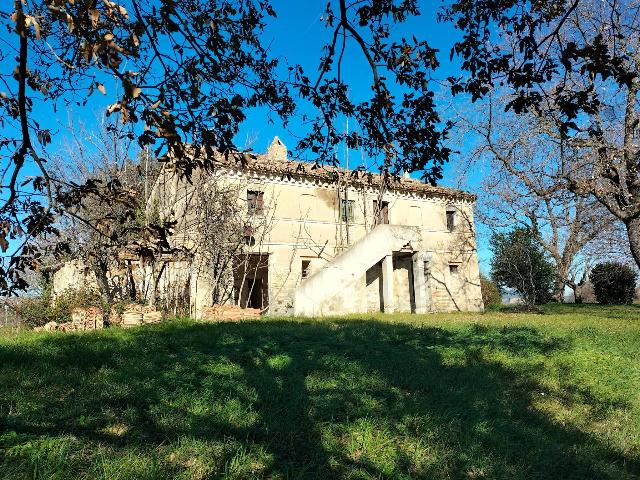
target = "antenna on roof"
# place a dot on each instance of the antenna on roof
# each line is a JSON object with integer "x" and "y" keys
{"x": 362, "y": 163}
{"x": 346, "y": 146}
{"x": 346, "y": 183}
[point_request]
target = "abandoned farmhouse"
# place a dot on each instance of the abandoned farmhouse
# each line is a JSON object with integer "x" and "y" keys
{"x": 294, "y": 238}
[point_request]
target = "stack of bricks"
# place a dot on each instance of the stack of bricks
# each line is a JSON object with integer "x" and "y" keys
{"x": 115, "y": 317}
{"x": 91, "y": 318}
{"x": 230, "y": 313}
{"x": 131, "y": 317}
{"x": 151, "y": 316}
{"x": 140, "y": 314}
{"x": 81, "y": 319}
{"x": 87, "y": 318}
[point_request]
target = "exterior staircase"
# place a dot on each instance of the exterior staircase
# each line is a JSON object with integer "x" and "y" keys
{"x": 321, "y": 292}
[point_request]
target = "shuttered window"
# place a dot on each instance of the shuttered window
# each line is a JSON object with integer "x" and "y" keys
{"x": 255, "y": 202}
{"x": 451, "y": 218}
{"x": 346, "y": 210}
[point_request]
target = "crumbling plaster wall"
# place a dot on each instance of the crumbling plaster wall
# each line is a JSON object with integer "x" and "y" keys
{"x": 73, "y": 275}
{"x": 306, "y": 225}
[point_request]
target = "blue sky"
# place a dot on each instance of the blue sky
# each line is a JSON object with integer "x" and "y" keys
{"x": 296, "y": 36}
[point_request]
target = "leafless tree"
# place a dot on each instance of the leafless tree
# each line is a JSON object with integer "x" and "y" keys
{"x": 524, "y": 185}
{"x": 573, "y": 68}
{"x": 102, "y": 234}
{"x": 602, "y": 157}
{"x": 220, "y": 235}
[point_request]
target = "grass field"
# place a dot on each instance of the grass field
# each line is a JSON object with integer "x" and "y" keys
{"x": 471, "y": 396}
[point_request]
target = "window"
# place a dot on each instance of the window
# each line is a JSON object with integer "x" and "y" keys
{"x": 346, "y": 210}
{"x": 248, "y": 237}
{"x": 451, "y": 218}
{"x": 453, "y": 269}
{"x": 306, "y": 264}
{"x": 255, "y": 202}
{"x": 382, "y": 213}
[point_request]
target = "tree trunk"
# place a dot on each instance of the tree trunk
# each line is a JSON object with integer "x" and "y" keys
{"x": 100, "y": 270}
{"x": 558, "y": 290}
{"x": 562, "y": 280}
{"x": 572, "y": 285}
{"x": 633, "y": 232}
{"x": 156, "y": 282}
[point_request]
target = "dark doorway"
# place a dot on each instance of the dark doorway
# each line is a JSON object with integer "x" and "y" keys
{"x": 255, "y": 293}
{"x": 251, "y": 281}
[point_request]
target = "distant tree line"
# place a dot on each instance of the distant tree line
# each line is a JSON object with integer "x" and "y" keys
{"x": 521, "y": 265}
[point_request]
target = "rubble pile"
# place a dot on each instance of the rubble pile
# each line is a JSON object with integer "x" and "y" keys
{"x": 81, "y": 319}
{"x": 91, "y": 318}
{"x": 230, "y": 313}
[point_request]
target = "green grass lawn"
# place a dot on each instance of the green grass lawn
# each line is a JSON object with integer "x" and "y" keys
{"x": 499, "y": 395}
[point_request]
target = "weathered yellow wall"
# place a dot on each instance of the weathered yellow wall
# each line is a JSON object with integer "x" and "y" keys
{"x": 302, "y": 218}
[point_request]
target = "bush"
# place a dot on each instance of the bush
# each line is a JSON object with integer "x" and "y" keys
{"x": 37, "y": 311}
{"x": 613, "y": 283}
{"x": 490, "y": 293}
{"x": 34, "y": 311}
{"x": 70, "y": 299}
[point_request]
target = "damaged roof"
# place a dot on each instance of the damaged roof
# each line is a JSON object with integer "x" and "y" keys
{"x": 275, "y": 162}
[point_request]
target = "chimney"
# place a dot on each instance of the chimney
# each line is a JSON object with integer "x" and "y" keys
{"x": 277, "y": 150}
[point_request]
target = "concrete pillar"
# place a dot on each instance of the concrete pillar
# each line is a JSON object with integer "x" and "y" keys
{"x": 201, "y": 292}
{"x": 387, "y": 284}
{"x": 201, "y": 288}
{"x": 419, "y": 283}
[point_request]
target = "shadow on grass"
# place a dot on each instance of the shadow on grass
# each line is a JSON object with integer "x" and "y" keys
{"x": 355, "y": 399}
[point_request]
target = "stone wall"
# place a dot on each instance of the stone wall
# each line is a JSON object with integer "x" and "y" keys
{"x": 73, "y": 275}
{"x": 374, "y": 288}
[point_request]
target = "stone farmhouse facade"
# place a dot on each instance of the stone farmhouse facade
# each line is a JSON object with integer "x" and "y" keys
{"x": 323, "y": 240}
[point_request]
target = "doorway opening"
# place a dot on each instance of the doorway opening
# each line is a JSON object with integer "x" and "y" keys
{"x": 251, "y": 281}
